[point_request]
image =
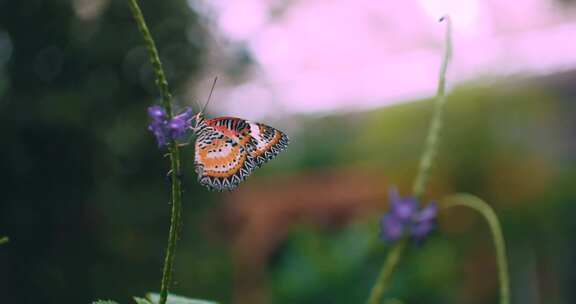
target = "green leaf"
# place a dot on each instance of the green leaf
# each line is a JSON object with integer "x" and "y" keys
{"x": 104, "y": 302}
{"x": 174, "y": 299}
{"x": 141, "y": 301}
{"x": 4, "y": 239}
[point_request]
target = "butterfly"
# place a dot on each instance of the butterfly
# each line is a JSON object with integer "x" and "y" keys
{"x": 229, "y": 149}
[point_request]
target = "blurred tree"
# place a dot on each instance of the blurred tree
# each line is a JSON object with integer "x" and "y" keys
{"x": 77, "y": 161}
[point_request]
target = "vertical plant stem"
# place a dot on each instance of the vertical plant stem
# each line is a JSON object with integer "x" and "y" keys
{"x": 174, "y": 224}
{"x": 174, "y": 152}
{"x": 435, "y": 127}
{"x": 386, "y": 273}
{"x": 161, "y": 82}
{"x": 426, "y": 161}
{"x": 474, "y": 202}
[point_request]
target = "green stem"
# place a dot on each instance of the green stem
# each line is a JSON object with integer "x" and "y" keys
{"x": 386, "y": 273}
{"x": 174, "y": 152}
{"x": 435, "y": 128}
{"x": 476, "y": 203}
{"x": 426, "y": 162}
{"x": 4, "y": 240}
{"x": 161, "y": 82}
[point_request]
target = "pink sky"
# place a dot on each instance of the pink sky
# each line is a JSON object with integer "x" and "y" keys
{"x": 333, "y": 55}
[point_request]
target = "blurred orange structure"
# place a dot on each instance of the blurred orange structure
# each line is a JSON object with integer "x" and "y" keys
{"x": 258, "y": 218}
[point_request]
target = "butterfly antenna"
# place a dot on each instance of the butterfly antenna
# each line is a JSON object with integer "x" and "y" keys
{"x": 210, "y": 95}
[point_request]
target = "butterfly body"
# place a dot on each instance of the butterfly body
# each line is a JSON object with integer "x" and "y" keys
{"x": 229, "y": 149}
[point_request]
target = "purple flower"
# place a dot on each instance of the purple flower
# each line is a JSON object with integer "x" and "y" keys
{"x": 402, "y": 208}
{"x": 405, "y": 219}
{"x": 158, "y": 124}
{"x": 180, "y": 124}
{"x": 157, "y": 113}
{"x": 391, "y": 228}
{"x": 166, "y": 130}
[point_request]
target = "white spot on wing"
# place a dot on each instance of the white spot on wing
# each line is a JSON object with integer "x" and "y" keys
{"x": 225, "y": 151}
{"x": 255, "y": 132}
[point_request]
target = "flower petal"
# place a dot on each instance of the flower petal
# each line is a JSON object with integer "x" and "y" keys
{"x": 177, "y": 128}
{"x": 420, "y": 230}
{"x": 427, "y": 213}
{"x": 164, "y": 130}
{"x": 391, "y": 228}
{"x": 157, "y": 113}
{"x": 159, "y": 131}
{"x": 185, "y": 115}
{"x": 180, "y": 124}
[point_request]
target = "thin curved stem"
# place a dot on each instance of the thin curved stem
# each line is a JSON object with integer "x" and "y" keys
{"x": 426, "y": 161}
{"x": 476, "y": 203}
{"x": 174, "y": 152}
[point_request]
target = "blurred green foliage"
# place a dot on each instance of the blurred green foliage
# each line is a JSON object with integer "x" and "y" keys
{"x": 84, "y": 197}
{"x": 509, "y": 145}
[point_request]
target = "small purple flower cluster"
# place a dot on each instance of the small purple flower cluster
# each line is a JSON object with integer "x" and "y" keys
{"x": 165, "y": 129}
{"x": 406, "y": 219}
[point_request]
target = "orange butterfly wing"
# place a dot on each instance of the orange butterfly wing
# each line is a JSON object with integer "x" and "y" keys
{"x": 267, "y": 142}
{"x": 228, "y": 150}
{"x": 221, "y": 162}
